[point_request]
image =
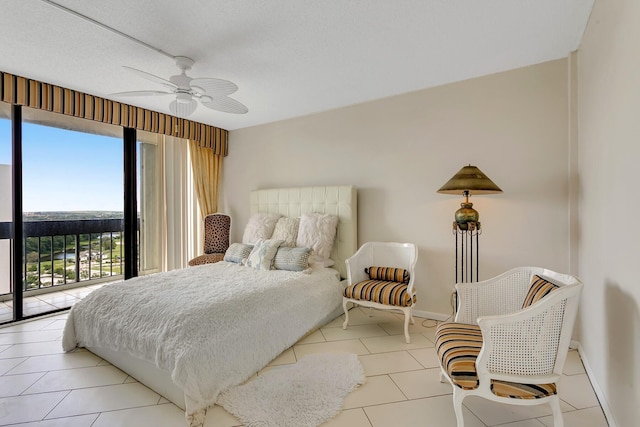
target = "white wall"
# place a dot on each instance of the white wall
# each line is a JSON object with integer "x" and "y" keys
{"x": 398, "y": 151}
{"x": 609, "y": 150}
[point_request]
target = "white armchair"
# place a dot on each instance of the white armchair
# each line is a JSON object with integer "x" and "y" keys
{"x": 510, "y": 338}
{"x": 381, "y": 275}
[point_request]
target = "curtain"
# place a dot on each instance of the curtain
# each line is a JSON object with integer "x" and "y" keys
{"x": 206, "y": 167}
{"x": 181, "y": 228}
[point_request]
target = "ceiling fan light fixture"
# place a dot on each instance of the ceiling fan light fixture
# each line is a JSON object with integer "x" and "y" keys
{"x": 182, "y": 109}
{"x": 183, "y": 98}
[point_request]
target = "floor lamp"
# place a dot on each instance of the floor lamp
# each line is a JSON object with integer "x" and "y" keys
{"x": 466, "y": 226}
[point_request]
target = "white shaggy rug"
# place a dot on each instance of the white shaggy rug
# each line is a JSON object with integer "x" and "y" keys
{"x": 304, "y": 394}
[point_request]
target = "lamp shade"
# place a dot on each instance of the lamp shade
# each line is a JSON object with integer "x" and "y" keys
{"x": 469, "y": 180}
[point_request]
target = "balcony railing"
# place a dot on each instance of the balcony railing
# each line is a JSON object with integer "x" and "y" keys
{"x": 63, "y": 252}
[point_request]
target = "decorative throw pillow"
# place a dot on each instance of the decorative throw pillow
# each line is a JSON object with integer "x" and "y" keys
{"x": 259, "y": 226}
{"x": 317, "y": 231}
{"x": 316, "y": 260}
{"x": 286, "y": 229}
{"x": 261, "y": 256}
{"x": 539, "y": 289}
{"x": 237, "y": 252}
{"x": 291, "y": 259}
{"x": 389, "y": 274}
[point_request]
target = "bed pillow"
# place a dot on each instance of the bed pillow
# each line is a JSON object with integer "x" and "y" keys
{"x": 286, "y": 229}
{"x": 237, "y": 252}
{"x": 259, "y": 226}
{"x": 262, "y": 254}
{"x": 291, "y": 259}
{"x": 317, "y": 231}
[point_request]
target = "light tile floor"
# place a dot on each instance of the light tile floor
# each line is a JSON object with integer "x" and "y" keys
{"x": 42, "y": 386}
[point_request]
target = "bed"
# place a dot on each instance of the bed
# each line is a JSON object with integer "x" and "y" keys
{"x": 162, "y": 329}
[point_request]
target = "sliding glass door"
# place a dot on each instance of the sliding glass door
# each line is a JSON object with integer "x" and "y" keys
{"x": 72, "y": 198}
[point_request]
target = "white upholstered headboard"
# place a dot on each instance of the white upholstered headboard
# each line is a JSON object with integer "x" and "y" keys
{"x": 335, "y": 200}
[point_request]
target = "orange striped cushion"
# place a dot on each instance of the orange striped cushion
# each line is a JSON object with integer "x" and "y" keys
{"x": 458, "y": 346}
{"x": 381, "y": 291}
{"x": 390, "y": 274}
{"x": 522, "y": 391}
{"x": 539, "y": 289}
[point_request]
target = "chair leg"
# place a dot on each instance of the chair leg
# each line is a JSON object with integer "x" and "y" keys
{"x": 557, "y": 412}
{"x": 369, "y": 311}
{"x": 458, "y": 395}
{"x": 407, "y": 316}
{"x": 411, "y": 317}
{"x": 442, "y": 377}
{"x": 345, "y": 302}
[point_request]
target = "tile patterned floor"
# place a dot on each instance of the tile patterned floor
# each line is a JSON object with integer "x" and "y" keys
{"x": 44, "y": 387}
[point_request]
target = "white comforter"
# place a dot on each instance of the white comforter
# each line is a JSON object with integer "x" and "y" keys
{"x": 210, "y": 326}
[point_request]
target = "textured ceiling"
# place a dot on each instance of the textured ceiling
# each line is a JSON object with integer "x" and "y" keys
{"x": 288, "y": 57}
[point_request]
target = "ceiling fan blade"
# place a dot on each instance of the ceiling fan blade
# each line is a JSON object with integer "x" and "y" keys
{"x": 183, "y": 109}
{"x": 142, "y": 93}
{"x": 151, "y": 77}
{"x": 213, "y": 87}
{"x": 226, "y": 105}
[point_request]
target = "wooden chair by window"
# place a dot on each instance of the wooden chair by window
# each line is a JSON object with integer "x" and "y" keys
{"x": 217, "y": 227}
{"x": 381, "y": 275}
{"x": 510, "y": 338}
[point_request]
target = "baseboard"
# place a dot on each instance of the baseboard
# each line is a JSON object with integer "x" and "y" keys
{"x": 596, "y": 387}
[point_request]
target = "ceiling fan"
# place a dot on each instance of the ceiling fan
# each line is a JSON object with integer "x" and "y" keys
{"x": 211, "y": 92}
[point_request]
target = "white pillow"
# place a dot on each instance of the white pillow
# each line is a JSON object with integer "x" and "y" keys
{"x": 261, "y": 256}
{"x": 317, "y": 231}
{"x": 259, "y": 226}
{"x": 287, "y": 230}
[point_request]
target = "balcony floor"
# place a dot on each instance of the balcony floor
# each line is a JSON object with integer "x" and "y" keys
{"x": 44, "y": 303}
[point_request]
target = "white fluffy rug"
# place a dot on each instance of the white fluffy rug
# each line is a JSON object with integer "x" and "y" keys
{"x": 304, "y": 394}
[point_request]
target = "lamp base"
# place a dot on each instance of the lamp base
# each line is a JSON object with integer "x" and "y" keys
{"x": 466, "y": 214}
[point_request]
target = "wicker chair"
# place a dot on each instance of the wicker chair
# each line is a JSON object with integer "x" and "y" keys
{"x": 217, "y": 227}
{"x": 510, "y": 338}
{"x": 381, "y": 275}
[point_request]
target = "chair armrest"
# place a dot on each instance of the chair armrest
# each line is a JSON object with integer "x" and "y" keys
{"x": 524, "y": 345}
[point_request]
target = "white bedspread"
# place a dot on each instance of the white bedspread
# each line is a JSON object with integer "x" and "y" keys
{"x": 210, "y": 326}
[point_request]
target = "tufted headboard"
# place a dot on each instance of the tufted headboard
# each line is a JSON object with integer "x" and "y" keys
{"x": 335, "y": 200}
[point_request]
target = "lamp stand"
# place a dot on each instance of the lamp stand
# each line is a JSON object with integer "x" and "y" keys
{"x": 467, "y": 250}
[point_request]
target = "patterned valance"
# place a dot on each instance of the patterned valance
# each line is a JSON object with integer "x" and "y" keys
{"x": 44, "y": 96}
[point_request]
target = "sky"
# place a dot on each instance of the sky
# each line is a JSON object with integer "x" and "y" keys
{"x": 65, "y": 170}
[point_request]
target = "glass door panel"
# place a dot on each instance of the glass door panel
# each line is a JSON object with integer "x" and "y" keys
{"x": 149, "y": 178}
{"x": 72, "y": 208}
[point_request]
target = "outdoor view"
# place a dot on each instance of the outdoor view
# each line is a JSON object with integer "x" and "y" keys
{"x": 72, "y": 204}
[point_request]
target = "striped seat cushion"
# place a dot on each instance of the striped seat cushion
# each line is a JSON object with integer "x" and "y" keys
{"x": 458, "y": 346}
{"x": 381, "y": 291}
{"x": 538, "y": 289}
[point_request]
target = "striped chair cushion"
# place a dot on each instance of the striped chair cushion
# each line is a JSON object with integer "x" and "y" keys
{"x": 539, "y": 289}
{"x": 381, "y": 291}
{"x": 389, "y": 274}
{"x": 458, "y": 346}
